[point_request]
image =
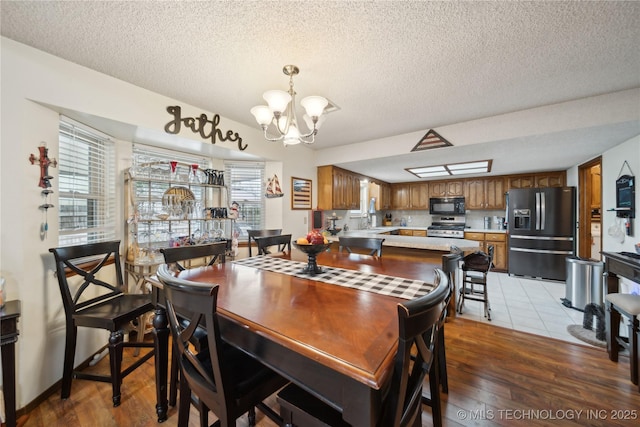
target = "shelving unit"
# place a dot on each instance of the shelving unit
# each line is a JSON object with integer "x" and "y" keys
{"x": 170, "y": 205}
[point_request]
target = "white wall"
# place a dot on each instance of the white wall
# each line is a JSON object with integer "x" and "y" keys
{"x": 612, "y": 162}
{"x": 29, "y": 79}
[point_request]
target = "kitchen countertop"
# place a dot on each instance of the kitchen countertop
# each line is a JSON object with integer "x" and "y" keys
{"x": 414, "y": 242}
{"x": 485, "y": 230}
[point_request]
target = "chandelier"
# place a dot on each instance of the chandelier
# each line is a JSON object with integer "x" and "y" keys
{"x": 282, "y": 113}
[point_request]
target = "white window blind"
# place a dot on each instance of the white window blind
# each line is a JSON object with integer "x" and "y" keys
{"x": 87, "y": 185}
{"x": 246, "y": 187}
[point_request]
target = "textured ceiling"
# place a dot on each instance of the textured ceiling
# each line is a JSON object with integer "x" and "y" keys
{"x": 391, "y": 67}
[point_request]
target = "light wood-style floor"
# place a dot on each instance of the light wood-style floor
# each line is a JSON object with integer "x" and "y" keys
{"x": 497, "y": 377}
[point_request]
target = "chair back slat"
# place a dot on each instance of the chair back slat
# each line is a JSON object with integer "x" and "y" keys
{"x": 372, "y": 243}
{"x": 81, "y": 260}
{"x": 217, "y": 251}
{"x": 252, "y": 234}
{"x": 418, "y": 324}
{"x": 282, "y": 241}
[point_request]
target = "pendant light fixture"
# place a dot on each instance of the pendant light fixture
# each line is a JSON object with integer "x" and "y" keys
{"x": 282, "y": 113}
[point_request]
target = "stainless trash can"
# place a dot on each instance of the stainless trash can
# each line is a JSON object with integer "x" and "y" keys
{"x": 584, "y": 283}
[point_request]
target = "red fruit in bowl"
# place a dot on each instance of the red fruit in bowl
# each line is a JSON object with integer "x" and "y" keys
{"x": 317, "y": 239}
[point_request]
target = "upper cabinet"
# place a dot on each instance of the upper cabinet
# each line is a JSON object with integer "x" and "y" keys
{"x": 446, "y": 188}
{"x": 535, "y": 180}
{"x": 382, "y": 193}
{"x": 410, "y": 195}
{"x": 338, "y": 188}
{"x": 485, "y": 193}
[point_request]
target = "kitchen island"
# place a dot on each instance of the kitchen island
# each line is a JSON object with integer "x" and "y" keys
{"x": 439, "y": 244}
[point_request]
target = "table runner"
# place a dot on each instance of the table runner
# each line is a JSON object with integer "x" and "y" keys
{"x": 378, "y": 283}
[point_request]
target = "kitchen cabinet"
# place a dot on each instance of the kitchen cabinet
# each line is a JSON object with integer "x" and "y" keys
{"x": 400, "y": 196}
{"x": 415, "y": 233}
{"x": 550, "y": 179}
{"x": 534, "y": 180}
{"x": 338, "y": 188}
{"x": 414, "y": 195}
{"x": 382, "y": 194}
{"x": 164, "y": 211}
{"x": 446, "y": 188}
{"x": 499, "y": 242}
{"x": 485, "y": 193}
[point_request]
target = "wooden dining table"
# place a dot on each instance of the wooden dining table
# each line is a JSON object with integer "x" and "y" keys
{"x": 336, "y": 342}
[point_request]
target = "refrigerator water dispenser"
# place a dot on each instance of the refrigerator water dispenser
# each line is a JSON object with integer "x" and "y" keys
{"x": 522, "y": 219}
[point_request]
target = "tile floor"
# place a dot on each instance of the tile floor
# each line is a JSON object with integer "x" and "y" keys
{"x": 527, "y": 305}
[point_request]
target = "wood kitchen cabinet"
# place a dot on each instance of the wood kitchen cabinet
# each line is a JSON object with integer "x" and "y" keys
{"x": 485, "y": 193}
{"x": 550, "y": 179}
{"x": 446, "y": 188}
{"x": 499, "y": 242}
{"x": 414, "y": 195}
{"x": 382, "y": 194}
{"x": 338, "y": 188}
{"x": 537, "y": 180}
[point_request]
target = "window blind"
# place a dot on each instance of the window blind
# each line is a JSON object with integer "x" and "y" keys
{"x": 86, "y": 162}
{"x": 246, "y": 187}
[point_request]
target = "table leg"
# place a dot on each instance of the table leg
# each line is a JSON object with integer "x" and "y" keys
{"x": 9, "y": 379}
{"x": 161, "y": 333}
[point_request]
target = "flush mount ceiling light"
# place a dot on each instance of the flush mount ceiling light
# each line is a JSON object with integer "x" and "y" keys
{"x": 281, "y": 112}
{"x": 481, "y": 166}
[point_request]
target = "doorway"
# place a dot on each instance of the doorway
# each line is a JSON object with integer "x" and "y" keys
{"x": 590, "y": 209}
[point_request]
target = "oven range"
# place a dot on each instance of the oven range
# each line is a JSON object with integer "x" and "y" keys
{"x": 452, "y": 227}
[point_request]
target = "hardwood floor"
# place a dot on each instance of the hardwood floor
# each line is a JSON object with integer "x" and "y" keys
{"x": 497, "y": 377}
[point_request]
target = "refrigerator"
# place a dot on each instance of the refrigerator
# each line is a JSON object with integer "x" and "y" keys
{"x": 542, "y": 231}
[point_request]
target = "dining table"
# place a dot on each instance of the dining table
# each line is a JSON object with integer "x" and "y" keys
{"x": 333, "y": 333}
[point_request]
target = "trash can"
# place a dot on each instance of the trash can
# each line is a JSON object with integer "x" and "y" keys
{"x": 584, "y": 283}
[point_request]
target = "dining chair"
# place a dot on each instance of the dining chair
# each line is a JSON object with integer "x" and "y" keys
{"x": 374, "y": 244}
{"x": 226, "y": 380}
{"x": 252, "y": 234}
{"x": 474, "y": 280}
{"x": 627, "y": 305}
{"x": 213, "y": 252}
{"x": 282, "y": 241}
{"x": 418, "y": 335}
{"x": 450, "y": 267}
{"x": 97, "y": 302}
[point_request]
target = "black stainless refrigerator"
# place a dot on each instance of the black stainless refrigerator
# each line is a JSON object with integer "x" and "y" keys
{"x": 542, "y": 231}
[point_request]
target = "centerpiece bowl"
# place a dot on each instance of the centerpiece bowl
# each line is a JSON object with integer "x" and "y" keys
{"x": 312, "y": 251}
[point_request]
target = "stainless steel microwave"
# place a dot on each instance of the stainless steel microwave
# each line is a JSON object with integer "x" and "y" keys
{"x": 446, "y": 205}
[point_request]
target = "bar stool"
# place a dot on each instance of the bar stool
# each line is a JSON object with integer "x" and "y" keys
{"x": 627, "y": 305}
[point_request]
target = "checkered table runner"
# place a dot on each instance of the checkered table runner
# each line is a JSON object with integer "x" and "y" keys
{"x": 378, "y": 283}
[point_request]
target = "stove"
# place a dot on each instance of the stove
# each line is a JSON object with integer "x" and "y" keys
{"x": 447, "y": 226}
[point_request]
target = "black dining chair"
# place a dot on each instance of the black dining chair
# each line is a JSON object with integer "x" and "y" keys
{"x": 252, "y": 234}
{"x": 373, "y": 244}
{"x": 418, "y": 335}
{"x": 475, "y": 270}
{"x": 226, "y": 380}
{"x": 191, "y": 255}
{"x": 209, "y": 254}
{"x": 97, "y": 302}
{"x": 282, "y": 241}
{"x": 451, "y": 268}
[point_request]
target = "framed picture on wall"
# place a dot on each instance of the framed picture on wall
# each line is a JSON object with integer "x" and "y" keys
{"x": 300, "y": 193}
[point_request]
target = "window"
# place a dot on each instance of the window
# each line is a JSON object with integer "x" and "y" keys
{"x": 364, "y": 201}
{"x": 87, "y": 185}
{"x": 245, "y": 181}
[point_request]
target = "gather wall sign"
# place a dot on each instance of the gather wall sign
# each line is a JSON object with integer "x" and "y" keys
{"x": 207, "y": 129}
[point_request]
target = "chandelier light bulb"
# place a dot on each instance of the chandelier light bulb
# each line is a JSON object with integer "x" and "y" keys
{"x": 263, "y": 115}
{"x": 277, "y": 100}
{"x": 314, "y": 105}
